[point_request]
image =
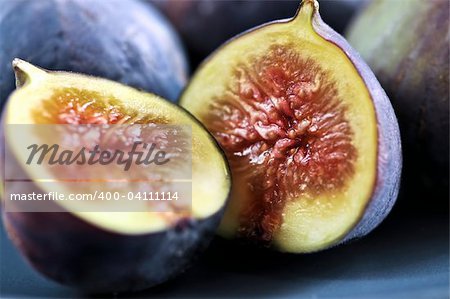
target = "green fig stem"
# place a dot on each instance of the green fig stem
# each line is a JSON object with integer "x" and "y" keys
{"x": 25, "y": 71}
{"x": 306, "y": 11}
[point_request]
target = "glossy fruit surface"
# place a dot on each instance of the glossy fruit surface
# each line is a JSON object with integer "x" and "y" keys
{"x": 406, "y": 43}
{"x": 311, "y": 137}
{"x": 102, "y": 250}
{"x": 125, "y": 41}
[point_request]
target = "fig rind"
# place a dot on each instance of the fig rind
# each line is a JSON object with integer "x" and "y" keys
{"x": 389, "y": 142}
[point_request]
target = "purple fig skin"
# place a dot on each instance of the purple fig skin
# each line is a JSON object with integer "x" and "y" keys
{"x": 414, "y": 70}
{"x": 125, "y": 40}
{"x": 389, "y": 163}
{"x": 75, "y": 253}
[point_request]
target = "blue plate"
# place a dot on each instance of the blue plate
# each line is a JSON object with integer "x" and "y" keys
{"x": 407, "y": 257}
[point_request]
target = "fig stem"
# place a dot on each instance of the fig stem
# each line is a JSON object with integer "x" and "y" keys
{"x": 24, "y": 71}
{"x": 305, "y": 12}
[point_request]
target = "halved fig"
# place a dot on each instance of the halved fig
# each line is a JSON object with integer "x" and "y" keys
{"x": 104, "y": 251}
{"x": 311, "y": 137}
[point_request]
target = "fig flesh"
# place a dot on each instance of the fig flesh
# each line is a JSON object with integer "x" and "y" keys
{"x": 125, "y": 41}
{"x": 311, "y": 137}
{"x": 102, "y": 251}
{"x": 414, "y": 70}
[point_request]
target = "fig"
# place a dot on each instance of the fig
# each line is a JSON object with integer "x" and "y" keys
{"x": 103, "y": 251}
{"x": 125, "y": 41}
{"x": 311, "y": 137}
{"x": 413, "y": 40}
{"x": 204, "y": 25}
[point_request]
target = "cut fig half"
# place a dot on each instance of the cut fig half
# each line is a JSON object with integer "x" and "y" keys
{"x": 310, "y": 135}
{"x": 127, "y": 250}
